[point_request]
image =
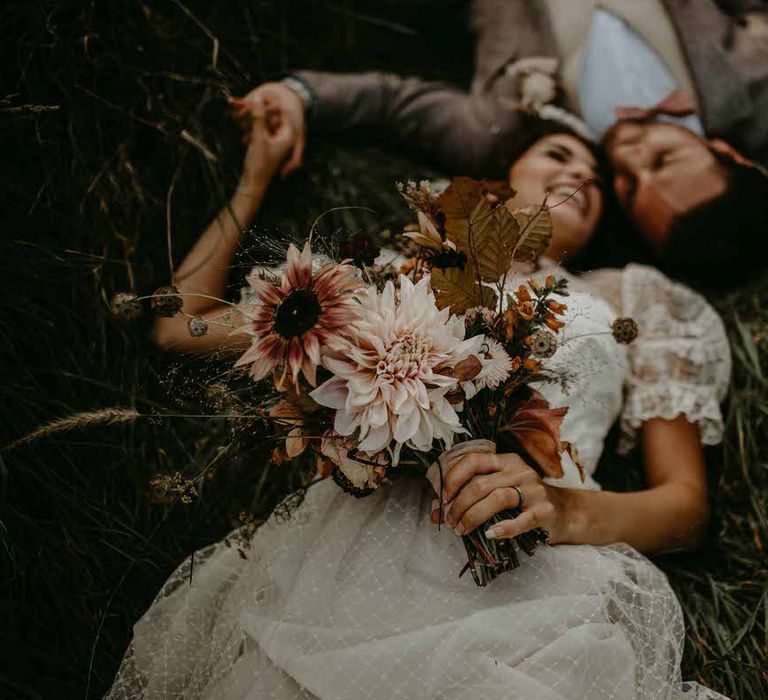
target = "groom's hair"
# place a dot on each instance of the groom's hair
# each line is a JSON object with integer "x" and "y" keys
{"x": 722, "y": 241}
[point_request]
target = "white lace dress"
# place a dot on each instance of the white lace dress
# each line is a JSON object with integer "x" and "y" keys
{"x": 359, "y": 599}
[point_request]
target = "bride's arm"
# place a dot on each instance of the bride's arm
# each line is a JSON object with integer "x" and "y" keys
{"x": 202, "y": 276}
{"x": 670, "y": 514}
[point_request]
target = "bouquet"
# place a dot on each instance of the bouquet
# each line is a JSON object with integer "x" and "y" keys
{"x": 381, "y": 367}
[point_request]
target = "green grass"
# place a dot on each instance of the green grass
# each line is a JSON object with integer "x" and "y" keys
{"x": 97, "y": 96}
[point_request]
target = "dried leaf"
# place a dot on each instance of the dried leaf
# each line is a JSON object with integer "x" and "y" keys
{"x": 461, "y": 197}
{"x": 536, "y": 426}
{"x": 359, "y": 476}
{"x": 293, "y": 407}
{"x": 488, "y": 236}
{"x": 459, "y": 290}
{"x": 495, "y": 248}
{"x": 295, "y": 443}
{"x": 573, "y": 453}
{"x": 467, "y": 369}
{"x": 535, "y": 233}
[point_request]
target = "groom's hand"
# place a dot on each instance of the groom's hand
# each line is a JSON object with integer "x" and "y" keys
{"x": 281, "y": 106}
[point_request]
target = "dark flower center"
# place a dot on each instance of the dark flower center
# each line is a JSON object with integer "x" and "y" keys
{"x": 297, "y": 314}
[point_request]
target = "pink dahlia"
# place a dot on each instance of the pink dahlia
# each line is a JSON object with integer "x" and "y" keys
{"x": 392, "y": 375}
{"x": 292, "y": 322}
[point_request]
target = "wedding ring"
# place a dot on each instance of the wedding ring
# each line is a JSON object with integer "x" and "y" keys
{"x": 520, "y": 496}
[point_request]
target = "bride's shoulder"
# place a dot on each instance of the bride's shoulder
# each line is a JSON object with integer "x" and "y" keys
{"x": 680, "y": 362}
{"x": 646, "y": 292}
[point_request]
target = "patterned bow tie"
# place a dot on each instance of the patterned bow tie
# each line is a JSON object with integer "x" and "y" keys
{"x": 676, "y": 104}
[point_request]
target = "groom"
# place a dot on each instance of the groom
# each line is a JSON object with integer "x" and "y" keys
{"x": 699, "y": 65}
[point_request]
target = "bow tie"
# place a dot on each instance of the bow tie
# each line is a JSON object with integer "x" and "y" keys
{"x": 676, "y": 104}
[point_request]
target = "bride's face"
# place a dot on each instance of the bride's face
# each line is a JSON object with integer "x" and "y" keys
{"x": 563, "y": 170}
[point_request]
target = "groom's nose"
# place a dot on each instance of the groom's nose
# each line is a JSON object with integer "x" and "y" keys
{"x": 627, "y": 146}
{"x": 631, "y": 157}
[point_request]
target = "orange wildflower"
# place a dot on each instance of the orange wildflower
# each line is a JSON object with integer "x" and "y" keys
{"x": 553, "y": 323}
{"x": 534, "y": 285}
{"x": 531, "y": 365}
{"x": 510, "y": 323}
{"x": 556, "y": 307}
{"x": 550, "y": 281}
{"x": 526, "y": 310}
{"x": 522, "y": 294}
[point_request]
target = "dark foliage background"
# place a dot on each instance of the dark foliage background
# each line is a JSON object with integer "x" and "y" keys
{"x": 104, "y": 105}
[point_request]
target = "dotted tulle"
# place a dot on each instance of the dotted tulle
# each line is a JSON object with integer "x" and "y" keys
{"x": 360, "y": 600}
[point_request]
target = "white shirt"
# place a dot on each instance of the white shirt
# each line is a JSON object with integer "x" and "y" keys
{"x": 619, "y": 68}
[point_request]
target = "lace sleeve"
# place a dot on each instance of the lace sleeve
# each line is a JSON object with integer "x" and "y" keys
{"x": 681, "y": 360}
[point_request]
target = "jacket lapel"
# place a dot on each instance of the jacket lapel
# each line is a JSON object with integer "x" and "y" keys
{"x": 704, "y": 32}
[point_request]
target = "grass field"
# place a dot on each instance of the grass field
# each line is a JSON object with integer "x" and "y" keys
{"x": 114, "y": 131}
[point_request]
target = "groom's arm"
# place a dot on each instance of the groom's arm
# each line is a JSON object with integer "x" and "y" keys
{"x": 464, "y": 133}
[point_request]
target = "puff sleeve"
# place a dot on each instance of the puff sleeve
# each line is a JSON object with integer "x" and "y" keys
{"x": 680, "y": 363}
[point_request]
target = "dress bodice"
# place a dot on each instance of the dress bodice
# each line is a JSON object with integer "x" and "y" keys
{"x": 680, "y": 363}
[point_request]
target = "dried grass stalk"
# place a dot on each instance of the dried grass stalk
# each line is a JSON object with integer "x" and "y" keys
{"x": 86, "y": 419}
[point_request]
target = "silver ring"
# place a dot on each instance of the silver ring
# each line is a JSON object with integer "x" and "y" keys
{"x": 520, "y": 496}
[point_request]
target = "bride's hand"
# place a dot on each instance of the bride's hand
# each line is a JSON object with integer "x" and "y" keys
{"x": 268, "y": 148}
{"x": 481, "y": 485}
{"x": 280, "y": 105}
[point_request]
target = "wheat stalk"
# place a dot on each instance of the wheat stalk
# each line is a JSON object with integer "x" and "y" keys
{"x": 85, "y": 419}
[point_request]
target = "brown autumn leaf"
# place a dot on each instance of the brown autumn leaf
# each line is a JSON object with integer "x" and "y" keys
{"x": 488, "y": 236}
{"x": 494, "y": 250}
{"x": 295, "y": 443}
{"x": 467, "y": 369}
{"x": 535, "y": 233}
{"x": 459, "y": 199}
{"x": 536, "y": 426}
{"x": 459, "y": 290}
{"x": 286, "y": 412}
{"x": 573, "y": 453}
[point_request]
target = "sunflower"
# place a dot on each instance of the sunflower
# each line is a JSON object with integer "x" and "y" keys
{"x": 292, "y": 322}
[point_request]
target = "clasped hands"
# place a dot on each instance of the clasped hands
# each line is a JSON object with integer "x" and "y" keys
{"x": 274, "y": 129}
{"x": 480, "y": 485}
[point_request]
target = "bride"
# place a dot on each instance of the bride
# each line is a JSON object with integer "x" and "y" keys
{"x": 354, "y": 599}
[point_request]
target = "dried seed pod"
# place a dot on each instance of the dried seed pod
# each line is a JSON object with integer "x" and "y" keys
{"x": 161, "y": 489}
{"x": 543, "y": 344}
{"x": 197, "y": 326}
{"x": 166, "y": 301}
{"x": 125, "y": 305}
{"x": 624, "y": 330}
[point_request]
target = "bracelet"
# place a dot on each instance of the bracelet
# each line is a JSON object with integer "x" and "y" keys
{"x": 298, "y": 87}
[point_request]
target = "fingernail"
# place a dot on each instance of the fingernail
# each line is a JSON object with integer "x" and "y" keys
{"x": 490, "y": 533}
{"x": 460, "y": 529}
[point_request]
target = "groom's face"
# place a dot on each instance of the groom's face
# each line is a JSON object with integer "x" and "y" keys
{"x": 661, "y": 171}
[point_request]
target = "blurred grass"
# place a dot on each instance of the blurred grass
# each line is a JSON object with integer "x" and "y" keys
{"x": 97, "y": 105}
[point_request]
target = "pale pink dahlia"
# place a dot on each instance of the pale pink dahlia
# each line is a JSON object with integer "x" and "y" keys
{"x": 392, "y": 376}
{"x": 293, "y": 321}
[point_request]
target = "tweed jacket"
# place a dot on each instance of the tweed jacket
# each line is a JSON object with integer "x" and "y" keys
{"x": 473, "y": 132}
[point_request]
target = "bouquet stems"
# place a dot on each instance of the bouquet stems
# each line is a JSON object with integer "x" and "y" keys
{"x": 486, "y": 558}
